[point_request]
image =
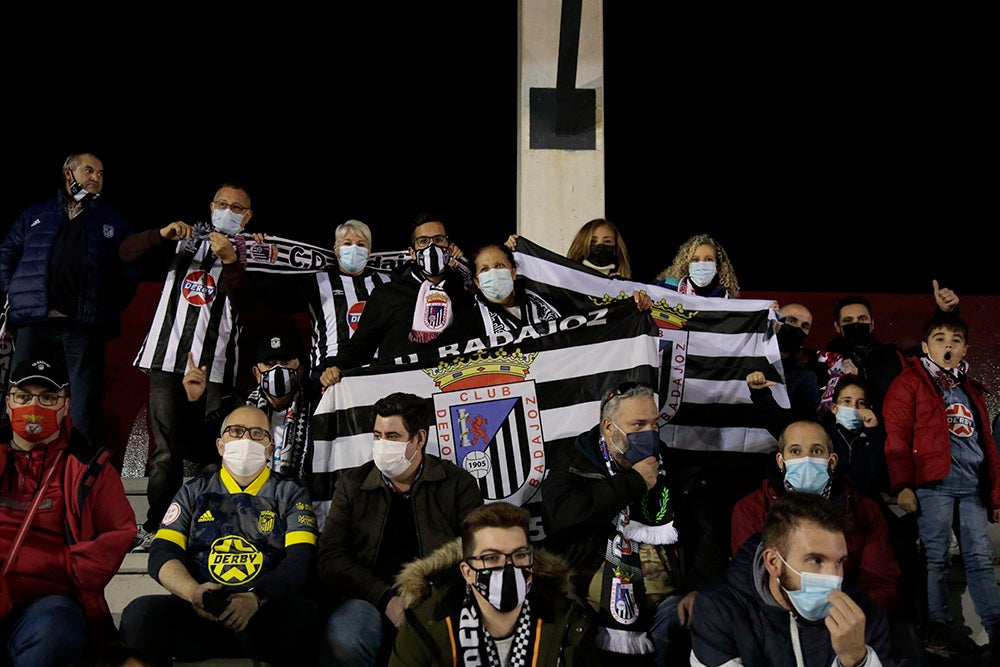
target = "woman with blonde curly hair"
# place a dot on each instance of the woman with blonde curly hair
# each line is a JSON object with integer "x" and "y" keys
{"x": 601, "y": 247}
{"x": 701, "y": 266}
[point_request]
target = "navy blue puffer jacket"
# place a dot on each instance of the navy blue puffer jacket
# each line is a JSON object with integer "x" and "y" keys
{"x": 108, "y": 284}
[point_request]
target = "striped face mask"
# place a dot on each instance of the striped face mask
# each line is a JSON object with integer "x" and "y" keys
{"x": 433, "y": 260}
{"x": 279, "y": 381}
{"x": 503, "y": 588}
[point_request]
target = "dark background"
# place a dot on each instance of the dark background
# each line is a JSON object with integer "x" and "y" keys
{"x": 856, "y": 160}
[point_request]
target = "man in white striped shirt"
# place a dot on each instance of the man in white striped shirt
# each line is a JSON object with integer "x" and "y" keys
{"x": 195, "y": 315}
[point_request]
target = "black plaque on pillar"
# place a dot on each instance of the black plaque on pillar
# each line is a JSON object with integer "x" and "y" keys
{"x": 563, "y": 120}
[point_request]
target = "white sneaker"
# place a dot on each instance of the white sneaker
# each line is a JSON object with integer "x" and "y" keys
{"x": 142, "y": 540}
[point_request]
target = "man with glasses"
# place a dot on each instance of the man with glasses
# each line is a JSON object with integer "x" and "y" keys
{"x": 197, "y": 320}
{"x": 409, "y": 312}
{"x": 630, "y": 517}
{"x": 77, "y": 524}
{"x": 398, "y": 507}
{"x": 282, "y": 391}
{"x": 492, "y": 599}
{"x": 234, "y": 550}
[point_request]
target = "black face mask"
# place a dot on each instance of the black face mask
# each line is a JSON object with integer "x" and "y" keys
{"x": 602, "y": 255}
{"x": 858, "y": 333}
{"x": 790, "y": 339}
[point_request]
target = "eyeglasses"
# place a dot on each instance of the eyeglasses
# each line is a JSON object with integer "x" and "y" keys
{"x": 238, "y": 431}
{"x": 422, "y": 242}
{"x": 238, "y": 209}
{"x": 520, "y": 558}
{"x": 46, "y": 400}
{"x": 620, "y": 390}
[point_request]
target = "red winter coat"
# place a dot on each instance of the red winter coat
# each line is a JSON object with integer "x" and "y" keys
{"x": 917, "y": 440}
{"x": 100, "y": 529}
{"x": 871, "y": 563}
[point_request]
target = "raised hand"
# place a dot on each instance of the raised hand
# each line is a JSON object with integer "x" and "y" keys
{"x": 195, "y": 380}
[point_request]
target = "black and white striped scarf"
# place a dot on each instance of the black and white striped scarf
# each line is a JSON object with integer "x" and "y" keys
{"x": 483, "y": 650}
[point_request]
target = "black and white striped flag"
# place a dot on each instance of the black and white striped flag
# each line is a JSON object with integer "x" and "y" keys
{"x": 499, "y": 403}
{"x": 709, "y": 346}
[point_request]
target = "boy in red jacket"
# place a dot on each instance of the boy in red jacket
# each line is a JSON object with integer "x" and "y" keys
{"x": 943, "y": 462}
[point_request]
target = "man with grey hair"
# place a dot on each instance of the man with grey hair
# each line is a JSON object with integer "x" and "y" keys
{"x": 66, "y": 284}
{"x": 619, "y": 506}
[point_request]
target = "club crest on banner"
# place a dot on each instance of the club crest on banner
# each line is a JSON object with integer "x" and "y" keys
{"x": 488, "y": 422}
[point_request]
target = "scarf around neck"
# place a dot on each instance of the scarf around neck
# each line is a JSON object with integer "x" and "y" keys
{"x": 946, "y": 379}
{"x": 622, "y": 625}
{"x": 477, "y": 647}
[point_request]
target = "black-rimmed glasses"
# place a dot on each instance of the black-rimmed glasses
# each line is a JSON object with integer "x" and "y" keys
{"x": 238, "y": 431}
{"x": 520, "y": 558}
{"x": 46, "y": 399}
{"x": 422, "y": 242}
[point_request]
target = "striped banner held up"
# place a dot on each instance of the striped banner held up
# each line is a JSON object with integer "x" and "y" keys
{"x": 709, "y": 346}
{"x": 500, "y": 404}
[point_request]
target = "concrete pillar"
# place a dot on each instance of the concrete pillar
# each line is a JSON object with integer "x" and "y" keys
{"x": 562, "y": 187}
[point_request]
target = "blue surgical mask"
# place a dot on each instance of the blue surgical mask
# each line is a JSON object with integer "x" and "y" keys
{"x": 641, "y": 445}
{"x": 849, "y": 418}
{"x": 810, "y": 601}
{"x": 701, "y": 273}
{"x": 807, "y": 474}
{"x": 496, "y": 284}
{"x": 226, "y": 222}
{"x": 352, "y": 257}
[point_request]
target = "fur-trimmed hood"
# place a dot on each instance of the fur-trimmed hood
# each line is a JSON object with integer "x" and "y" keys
{"x": 419, "y": 579}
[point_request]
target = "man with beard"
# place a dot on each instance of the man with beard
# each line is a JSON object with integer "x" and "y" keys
{"x": 782, "y": 602}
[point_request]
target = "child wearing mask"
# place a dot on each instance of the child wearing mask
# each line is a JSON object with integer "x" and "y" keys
{"x": 858, "y": 438}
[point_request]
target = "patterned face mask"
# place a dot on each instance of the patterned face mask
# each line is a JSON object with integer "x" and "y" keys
{"x": 433, "y": 260}
{"x": 505, "y": 589}
{"x": 279, "y": 381}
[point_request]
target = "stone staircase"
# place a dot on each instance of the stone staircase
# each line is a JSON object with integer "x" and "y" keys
{"x": 133, "y": 578}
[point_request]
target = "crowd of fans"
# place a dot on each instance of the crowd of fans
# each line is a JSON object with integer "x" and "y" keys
{"x": 835, "y": 550}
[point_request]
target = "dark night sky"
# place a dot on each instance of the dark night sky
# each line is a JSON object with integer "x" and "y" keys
{"x": 819, "y": 167}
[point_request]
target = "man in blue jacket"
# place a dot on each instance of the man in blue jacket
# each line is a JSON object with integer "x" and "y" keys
{"x": 782, "y": 602}
{"x": 65, "y": 283}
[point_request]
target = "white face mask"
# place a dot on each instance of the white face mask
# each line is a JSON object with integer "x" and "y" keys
{"x": 701, "y": 273}
{"x": 390, "y": 457}
{"x": 244, "y": 457}
{"x": 496, "y": 284}
{"x": 226, "y": 222}
{"x": 352, "y": 257}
